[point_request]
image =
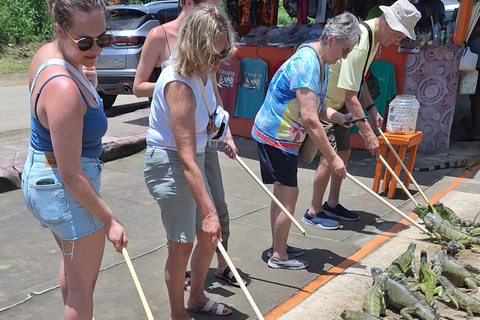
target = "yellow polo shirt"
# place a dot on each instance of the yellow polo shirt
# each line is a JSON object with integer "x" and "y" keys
{"x": 346, "y": 73}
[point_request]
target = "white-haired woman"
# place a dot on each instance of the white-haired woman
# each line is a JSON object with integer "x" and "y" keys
{"x": 292, "y": 107}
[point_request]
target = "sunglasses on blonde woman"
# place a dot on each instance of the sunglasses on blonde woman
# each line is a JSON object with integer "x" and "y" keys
{"x": 86, "y": 43}
{"x": 222, "y": 55}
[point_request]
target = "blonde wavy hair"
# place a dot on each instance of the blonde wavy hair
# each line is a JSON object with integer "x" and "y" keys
{"x": 196, "y": 40}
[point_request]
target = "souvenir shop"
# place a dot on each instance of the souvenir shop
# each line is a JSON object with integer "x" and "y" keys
{"x": 428, "y": 71}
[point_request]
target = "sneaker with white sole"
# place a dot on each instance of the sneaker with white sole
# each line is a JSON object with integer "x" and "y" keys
{"x": 320, "y": 220}
{"x": 340, "y": 212}
{"x": 291, "y": 251}
{"x": 292, "y": 264}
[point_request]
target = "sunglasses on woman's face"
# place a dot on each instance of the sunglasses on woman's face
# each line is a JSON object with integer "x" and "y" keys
{"x": 86, "y": 43}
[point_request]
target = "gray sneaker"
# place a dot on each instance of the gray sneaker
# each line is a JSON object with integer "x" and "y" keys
{"x": 292, "y": 264}
{"x": 321, "y": 220}
{"x": 291, "y": 251}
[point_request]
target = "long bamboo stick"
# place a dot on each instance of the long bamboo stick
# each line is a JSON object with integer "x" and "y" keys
{"x": 137, "y": 284}
{"x": 388, "y": 204}
{"x": 392, "y": 149}
{"x": 382, "y": 160}
{"x": 239, "y": 280}
{"x": 270, "y": 194}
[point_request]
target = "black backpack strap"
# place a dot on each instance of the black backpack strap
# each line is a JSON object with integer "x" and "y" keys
{"x": 370, "y": 40}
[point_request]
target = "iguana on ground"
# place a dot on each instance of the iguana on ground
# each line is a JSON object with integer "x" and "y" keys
{"x": 443, "y": 232}
{"x": 458, "y": 274}
{"x": 459, "y": 298}
{"x": 400, "y": 297}
{"x": 449, "y": 215}
{"x": 428, "y": 281}
{"x": 403, "y": 263}
{"x": 468, "y": 162}
{"x": 374, "y": 300}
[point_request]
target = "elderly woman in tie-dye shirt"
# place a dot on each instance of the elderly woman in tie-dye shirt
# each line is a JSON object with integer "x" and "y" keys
{"x": 293, "y": 107}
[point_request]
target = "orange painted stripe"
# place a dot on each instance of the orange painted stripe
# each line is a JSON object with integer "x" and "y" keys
{"x": 302, "y": 294}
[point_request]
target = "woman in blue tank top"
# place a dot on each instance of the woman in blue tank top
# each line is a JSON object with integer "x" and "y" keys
{"x": 61, "y": 178}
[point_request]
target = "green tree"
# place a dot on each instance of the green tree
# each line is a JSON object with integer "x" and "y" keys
{"x": 23, "y": 21}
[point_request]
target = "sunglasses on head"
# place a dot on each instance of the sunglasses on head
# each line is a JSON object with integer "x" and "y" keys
{"x": 86, "y": 43}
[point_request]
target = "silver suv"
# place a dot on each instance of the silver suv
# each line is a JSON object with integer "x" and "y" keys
{"x": 130, "y": 24}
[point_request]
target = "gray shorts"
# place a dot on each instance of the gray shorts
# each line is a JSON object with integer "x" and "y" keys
{"x": 168, "y": 185}
{"x": 338, "y": 135}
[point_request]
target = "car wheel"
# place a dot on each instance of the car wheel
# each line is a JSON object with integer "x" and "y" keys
{"x": 108, "y": 100}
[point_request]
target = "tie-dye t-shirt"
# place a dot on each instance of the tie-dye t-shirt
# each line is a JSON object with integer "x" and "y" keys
{"x": 278, "y": 121}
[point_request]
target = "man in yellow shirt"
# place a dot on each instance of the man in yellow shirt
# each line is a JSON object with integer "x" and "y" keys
{"x": 345, "y": 82}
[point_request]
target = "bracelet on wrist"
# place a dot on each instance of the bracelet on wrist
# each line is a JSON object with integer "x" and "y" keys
{"x": 370, "y": 107}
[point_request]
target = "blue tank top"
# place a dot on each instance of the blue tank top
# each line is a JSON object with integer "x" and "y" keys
{"x": 94, "y": 122}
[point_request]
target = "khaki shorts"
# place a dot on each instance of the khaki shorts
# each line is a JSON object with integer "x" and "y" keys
{"x": 167, "y": 183}
{"x": 338, "y": 135}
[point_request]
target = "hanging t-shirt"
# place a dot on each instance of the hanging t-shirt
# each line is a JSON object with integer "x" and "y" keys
{"x": 278, "y": 123}
{"x": 228, "y": 78}
{"x": 252, "y": 91}
{"x": 381, "y": 85}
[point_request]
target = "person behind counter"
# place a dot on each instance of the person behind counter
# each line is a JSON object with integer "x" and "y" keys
{"x": 175, "y": 155}
{"x": 158, "y": 48}
{"x": 62, "y": 173}
{"x": 292, "y": 107}
{"x": 432, "y": 11}
{"x": 345, "y": 81}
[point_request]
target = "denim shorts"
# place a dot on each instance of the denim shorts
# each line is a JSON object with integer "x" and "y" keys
{"x": 167, "y": 183}
{"x": 51, "y": 203}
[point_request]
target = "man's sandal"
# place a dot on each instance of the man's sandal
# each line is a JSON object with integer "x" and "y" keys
{"x": 221, "y": 310}
{"x": 231, "y": 279}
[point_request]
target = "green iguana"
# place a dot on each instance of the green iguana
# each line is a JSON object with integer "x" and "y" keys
{"x": 403, "y": 263}
{"x": 398, "y": 296}
{"x": 458, "y": 274}
{"x": 428, "y": 281}
{"x": 460, "y": 299}
{"x": 468, "y": 162}
{"x": 374, "y": 300}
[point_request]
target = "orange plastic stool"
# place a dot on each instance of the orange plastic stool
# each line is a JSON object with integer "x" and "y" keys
{"x": 400, "y": 142}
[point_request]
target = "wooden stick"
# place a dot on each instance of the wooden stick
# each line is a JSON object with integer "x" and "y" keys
{"x": 239, "y": 280}
{"x": 398, "y": 180}
{"x": 270, "y": 194}
{"x": 403, "y": 166}
{"x": 388, "y": 204}
{"x": 137, "y": 284}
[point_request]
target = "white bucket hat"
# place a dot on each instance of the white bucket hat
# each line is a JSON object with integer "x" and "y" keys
{"x": 402, "y": 16}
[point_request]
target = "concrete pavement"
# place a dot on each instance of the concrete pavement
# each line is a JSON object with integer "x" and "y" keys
{"x": 338, "y": 275}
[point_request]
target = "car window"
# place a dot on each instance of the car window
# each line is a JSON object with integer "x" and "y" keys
{"x": 126, "y": 19}
{"x": 167, "y": 15}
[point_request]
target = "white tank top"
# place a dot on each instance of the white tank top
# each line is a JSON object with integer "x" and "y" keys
{"x": 160, "y": 132}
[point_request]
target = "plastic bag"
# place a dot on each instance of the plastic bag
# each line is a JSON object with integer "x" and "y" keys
{"x": 468, "y": 62}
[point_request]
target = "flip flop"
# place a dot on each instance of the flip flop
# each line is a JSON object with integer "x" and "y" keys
{"x": 187, "y": 284}
{"x": 230, "y": 280}
{"x": 207, "y": 308}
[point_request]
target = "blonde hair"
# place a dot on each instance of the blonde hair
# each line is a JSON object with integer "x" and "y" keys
{"x": 196, "y": 40}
